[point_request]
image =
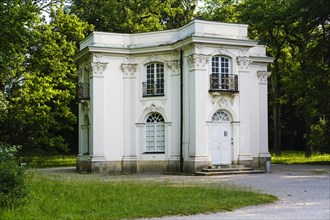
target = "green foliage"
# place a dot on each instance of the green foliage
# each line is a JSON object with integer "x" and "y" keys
{"x": 49, "y": 161}
{"x": 74, "y": 196}
{"x": 41, "y": 110}
{"x": 298, "y": 157}
{"x": 125, "y": 16}
{"x": 220, "y": 10}
{"x": 12, "y": 178}
{"x": 319, "y": 140}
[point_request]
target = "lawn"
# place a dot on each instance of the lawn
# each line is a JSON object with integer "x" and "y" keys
{"x": 77, "y": 196}
{"x": 298, "y": 157}
{"x": 49, "y": 161}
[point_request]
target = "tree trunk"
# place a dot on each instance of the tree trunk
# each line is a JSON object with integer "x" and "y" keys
{"x": 277, "y": 107}
{"x": 308, "y": 124}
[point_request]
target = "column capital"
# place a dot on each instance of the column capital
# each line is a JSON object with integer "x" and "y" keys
{"x": 98, "y": 69}
{"x": 198, "y": 61}
{"x": 263, "y": 76}
{"x": 244, "y": 63}
{"x": 129, "y": 70}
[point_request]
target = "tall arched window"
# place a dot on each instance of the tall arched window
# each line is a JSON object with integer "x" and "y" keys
{"x": 221, "y": 77}
{"x": 154, "y": 86}
{"x": 155, "y": 133}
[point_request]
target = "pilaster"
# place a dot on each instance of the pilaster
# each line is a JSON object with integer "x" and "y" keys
{"x": 129, "y": 152}
{"x": 197, "y": 91}
{"x": 97, "y": 70}
{"x": 244, "y": 105}
{"x": 263, "y": 114}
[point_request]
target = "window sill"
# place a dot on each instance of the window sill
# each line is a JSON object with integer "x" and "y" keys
{"x": 154, "y": 152}
{"x": 156, "y": 95}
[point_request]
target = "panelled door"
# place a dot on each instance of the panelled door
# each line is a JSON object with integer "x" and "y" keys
{"x": 220, "y": 139}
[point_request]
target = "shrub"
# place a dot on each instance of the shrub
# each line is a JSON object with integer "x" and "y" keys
{"x": 12, "y": 177}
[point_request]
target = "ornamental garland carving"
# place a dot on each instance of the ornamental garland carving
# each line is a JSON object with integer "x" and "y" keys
{"x": 129, "y": 70}
{"x": 263, "y": 76}
{"x": 198, "y": 61}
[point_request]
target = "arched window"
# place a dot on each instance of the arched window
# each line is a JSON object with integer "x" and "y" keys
{"x": 154, "y": 86}
{"x": 221, "y": 76}
{"x": 155, "y": 133}
{"x": 220, "y": 116}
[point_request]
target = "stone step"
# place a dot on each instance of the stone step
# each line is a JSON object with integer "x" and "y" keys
{"x": 229, "y": 172}
{"x": 227, "y": 169}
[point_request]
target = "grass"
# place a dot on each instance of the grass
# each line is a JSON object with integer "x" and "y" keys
{"x": 49, "y": 161}
{"x": 55, "y": 196}
{"x": 298, "y": 157}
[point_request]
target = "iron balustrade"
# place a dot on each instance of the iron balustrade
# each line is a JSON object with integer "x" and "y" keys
{"x": 223, "y": 83}
{"x": 83, "y": 91}
{"x": 153, "y": 88}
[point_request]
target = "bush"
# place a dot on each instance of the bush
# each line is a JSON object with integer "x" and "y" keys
{"x": 12, "y": 177}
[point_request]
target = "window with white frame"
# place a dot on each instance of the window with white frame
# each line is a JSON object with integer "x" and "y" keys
{"x": 154, "y": 86}
{"x": 155, "y": 133}
{"x": 221, "y": 77}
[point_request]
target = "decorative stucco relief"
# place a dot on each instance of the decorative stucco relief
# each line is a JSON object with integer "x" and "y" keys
{"x": 244, "y": 63}
{"x": 152, "y": 58}
{"x": 198, "y": 61}
{"x": 98, "y": 69}
{"x": 263, "y": 76}
{"x": 97, "y": 58}
{"x": 222, "y": 51}
{"x": 225, "y": 102}
{"x": 244, "y": 52}
{"x": 151, "y": 109}
{"x": 154, "y": 108}
{"x": 129, "y": 70}
{"x": 174, "y": 65}
{"x": 196, "y": 49}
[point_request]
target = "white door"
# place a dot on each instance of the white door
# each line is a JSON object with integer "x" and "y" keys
{"x": 221, "y": 144}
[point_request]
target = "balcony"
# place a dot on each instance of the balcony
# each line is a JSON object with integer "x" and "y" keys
{"x": 83, "y": 92}
{"x": 153, "y": 88}
{"x": 223, "y": 83}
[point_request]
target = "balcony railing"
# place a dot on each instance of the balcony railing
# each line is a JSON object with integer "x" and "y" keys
{"x": 223, "y": 83}
{"x": 83, "y": 91}
{"x": 153, "y": 88}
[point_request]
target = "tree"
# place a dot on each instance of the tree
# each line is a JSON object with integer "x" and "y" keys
{"x": 220, "y": 10}
{"x": 126, "y": 16}
{"x": 308, "y": 34}
{"x": 40, "y": 114}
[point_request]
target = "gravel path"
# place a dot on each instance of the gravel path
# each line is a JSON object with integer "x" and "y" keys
{"x": 303, "y": 191}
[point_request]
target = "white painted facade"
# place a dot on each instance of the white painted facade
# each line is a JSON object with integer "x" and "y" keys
{"x": 131, "y": 120}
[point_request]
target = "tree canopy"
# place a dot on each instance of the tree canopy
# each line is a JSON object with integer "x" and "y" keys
{"x": 38, "y": 107}
{"x": 126, "y": 16}
{"x": 39, "y": 79}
